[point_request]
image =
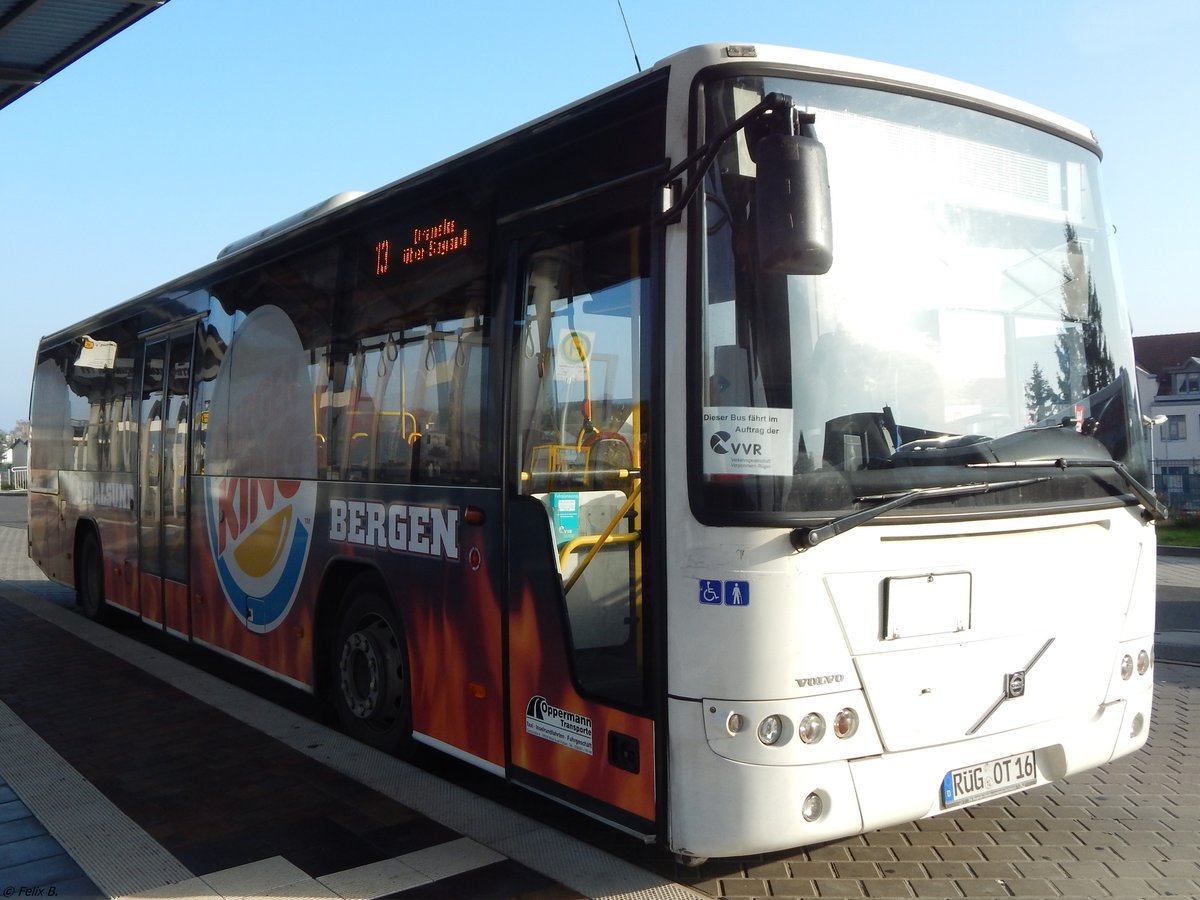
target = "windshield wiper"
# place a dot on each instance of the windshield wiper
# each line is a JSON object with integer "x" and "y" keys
{"x": 807, "y": 538}
{"x": 1146, "y": 499}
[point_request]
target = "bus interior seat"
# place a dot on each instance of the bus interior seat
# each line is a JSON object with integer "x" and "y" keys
{"x": 607, "y": 454}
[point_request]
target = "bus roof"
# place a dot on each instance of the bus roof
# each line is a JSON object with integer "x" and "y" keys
{"x": 817, "y": 64}
{"x": 684, "y": 67}
{"x": 884, "y": 76}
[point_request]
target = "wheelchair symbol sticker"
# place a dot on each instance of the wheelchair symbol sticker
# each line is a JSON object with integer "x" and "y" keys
{"x": 710, "y": 592}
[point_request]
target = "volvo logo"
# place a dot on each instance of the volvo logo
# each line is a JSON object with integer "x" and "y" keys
{"x": 819, "y": 680}
{"x": 1014, "y": 688}
{"x": 1014, "y": 685}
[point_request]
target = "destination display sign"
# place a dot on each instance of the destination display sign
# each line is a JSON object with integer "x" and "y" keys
{"x": 422, "y": 243}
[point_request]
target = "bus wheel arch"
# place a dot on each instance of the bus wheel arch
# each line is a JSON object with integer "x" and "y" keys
{"x": 335, "y": 586}
{"x": 89, "y": 572}
{"x": 366, "y": 664}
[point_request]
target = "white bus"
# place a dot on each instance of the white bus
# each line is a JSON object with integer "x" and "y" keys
{"x": 747, "y": 455}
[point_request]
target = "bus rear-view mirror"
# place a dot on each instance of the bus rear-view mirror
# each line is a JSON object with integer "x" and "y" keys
{"x": 794, "y": 224}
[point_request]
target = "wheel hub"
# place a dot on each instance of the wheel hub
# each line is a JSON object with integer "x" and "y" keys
{"x": 371, "y": 673}
{"x": 360, "y": 674}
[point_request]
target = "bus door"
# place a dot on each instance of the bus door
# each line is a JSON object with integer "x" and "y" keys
{"x": 580, "y": 711}
{"x": 162, "y": 480}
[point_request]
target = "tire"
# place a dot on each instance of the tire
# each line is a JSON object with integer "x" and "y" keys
{"x": 89, "y": 580}
{"x": 370, "y": 670}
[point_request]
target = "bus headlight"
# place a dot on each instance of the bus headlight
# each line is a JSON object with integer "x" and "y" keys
{"x": 770, "y": 730}
{"x": 812, "y": 728}
{"x": 735, "y": 723}
{"x": 1143, "y": 662}
{"x": 1126, "y": 667}
{"x": 813, "y": 807}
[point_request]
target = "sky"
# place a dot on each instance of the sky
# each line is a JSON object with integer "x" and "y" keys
{"x": 211, "y": 119}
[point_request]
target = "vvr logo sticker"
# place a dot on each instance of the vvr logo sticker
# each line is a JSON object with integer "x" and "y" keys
{"x": 260, "y": 532}
{"x": 721, "y": 442}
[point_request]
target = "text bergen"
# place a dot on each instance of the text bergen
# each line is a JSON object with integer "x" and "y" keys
{"x": 423, "y": 530}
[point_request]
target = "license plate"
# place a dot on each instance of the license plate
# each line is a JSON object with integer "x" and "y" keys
{"x": 999, "y": 776}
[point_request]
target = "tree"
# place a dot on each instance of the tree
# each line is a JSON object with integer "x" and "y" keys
{"x": 1084, "y": 363}
{"x": 1041, "y": 400}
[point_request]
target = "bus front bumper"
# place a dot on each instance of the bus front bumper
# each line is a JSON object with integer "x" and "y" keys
{"x": 720, "y": 807}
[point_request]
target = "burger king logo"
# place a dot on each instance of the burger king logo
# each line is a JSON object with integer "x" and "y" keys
{"x": 260, "y": 532}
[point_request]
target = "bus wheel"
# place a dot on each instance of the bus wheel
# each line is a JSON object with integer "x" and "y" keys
{"x": 89, "y": 580}
{"x": 370, "y": 684}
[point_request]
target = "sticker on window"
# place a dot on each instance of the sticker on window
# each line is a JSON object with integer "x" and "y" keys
{"x": 747, "y": 440}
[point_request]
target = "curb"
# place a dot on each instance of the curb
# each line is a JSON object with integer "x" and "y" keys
{"x": 1192, "y": 552}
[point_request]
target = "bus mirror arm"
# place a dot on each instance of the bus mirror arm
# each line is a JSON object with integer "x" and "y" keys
{"x": 700, "y": 160}
{"x": 793, "y": 220}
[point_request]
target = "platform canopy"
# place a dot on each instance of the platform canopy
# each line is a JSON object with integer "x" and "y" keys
{"x": 41, "y": 37}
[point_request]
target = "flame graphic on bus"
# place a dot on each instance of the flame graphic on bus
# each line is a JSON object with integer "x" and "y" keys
{"x": 260, "y": 533}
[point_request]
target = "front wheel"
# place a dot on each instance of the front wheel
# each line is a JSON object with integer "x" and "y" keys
{"x": 370, "y": 669}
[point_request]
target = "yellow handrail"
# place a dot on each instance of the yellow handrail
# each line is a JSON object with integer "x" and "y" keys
{"x": 587, "y": 540}
{"x": 599, "y": 540}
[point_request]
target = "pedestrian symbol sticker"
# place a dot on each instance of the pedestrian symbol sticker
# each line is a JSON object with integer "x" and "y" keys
{"x": 737, "y": 593}
{"x": 714, "y": 592}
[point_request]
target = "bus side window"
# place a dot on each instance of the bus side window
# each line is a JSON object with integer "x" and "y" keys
{"x": 383, "y": 372}
{"x": 413, "y": 403}
{"x": 411, "y": 335}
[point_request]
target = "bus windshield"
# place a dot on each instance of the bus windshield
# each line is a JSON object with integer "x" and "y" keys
{"x": 972, "y": 315}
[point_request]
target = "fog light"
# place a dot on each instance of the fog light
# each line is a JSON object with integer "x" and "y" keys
{"x": 770, "y": 729}
{"x": 735, "y": 723}
{"x": 813, "y": 807}
{"x": 1139, "y": 722}
{"x": 1143, "y": 663}
{"x": 812, "y": 728}
{"x": 1126, "y": 667}
{"x": 845, "y": 723}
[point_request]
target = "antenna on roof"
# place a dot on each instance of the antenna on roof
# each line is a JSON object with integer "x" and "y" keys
{"x": 628, "y": 34}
